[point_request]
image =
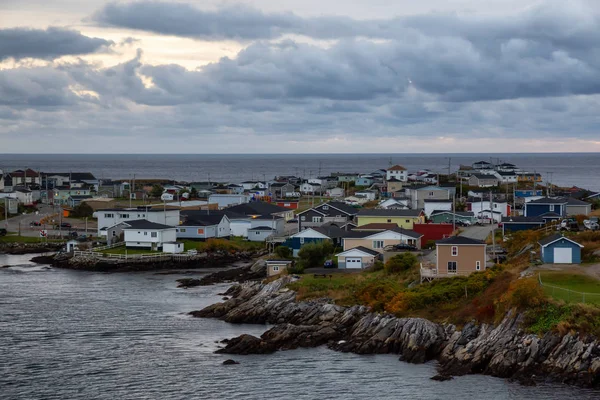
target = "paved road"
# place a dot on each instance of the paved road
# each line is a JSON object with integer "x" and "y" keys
{"x": 477, "y": 232}
{"x": 23, "y": 223}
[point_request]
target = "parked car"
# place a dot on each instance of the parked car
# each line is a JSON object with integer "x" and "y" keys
{"x": 568, "y": 225}
{"x": 36, "y": 223}
{"x": 65, "y": 225}
{"x": 591, "y": 225}
{"x": 400, "y": 247}
{"x": 329, "y": 264}
{"x": 3, "y": 232}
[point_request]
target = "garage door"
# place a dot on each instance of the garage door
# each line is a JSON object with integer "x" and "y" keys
{"x": 563, "y": 255}
{"x": 353, "y": 262}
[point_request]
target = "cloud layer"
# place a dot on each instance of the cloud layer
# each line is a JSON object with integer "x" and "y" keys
{"x": 46, "y": 44}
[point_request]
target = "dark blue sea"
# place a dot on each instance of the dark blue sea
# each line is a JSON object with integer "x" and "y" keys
{"x": 564, "y": 169}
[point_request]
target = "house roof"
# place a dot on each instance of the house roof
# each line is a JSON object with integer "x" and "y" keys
{"x": 549, "y": 214}
{"x": 461, "y": 213}
{"x": 357, "y": 234}
{"x": 257, "y": 208}
{"x": 397, "y": 168}
{"x": 554, "y": 238}
{"x": 361, "y": 249}
{"x": 389, "y": 213}
{"x": 438, "y": 200}
{"x": 482, "y": 163}
{"x": 23, "y": 190}
{"x": 376, "y": 226}
{"x": 74, "y": 176}
{"x": 145, "y": 224}
{"x": 575, "y": 202}
{"x": 548, "y": 200}
{"x": 506, "y": 173}
{"x": 459, "y": 240}
{"x": 484, "y": 176}
{"x": 261, "y": 228}
{"x": 204, "y": 220}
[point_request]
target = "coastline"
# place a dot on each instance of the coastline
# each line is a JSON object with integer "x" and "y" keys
{"x": 503, "y": 351}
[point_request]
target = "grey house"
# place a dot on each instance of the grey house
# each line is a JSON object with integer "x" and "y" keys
{"x": 483, "y": 180}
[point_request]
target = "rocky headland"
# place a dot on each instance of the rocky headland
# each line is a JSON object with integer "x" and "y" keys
{"x": 256, "y": 271}
{"x": 504, "y": 350}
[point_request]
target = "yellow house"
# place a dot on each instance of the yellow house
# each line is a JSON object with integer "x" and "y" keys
{"x": 403, "y": 218}
{"x": 529, "y": 178}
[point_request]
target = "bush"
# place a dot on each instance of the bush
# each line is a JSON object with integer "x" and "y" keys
{"x": 400, "y": 263}
{"x": 295, "y": 269}
{"x": 82, "y": 210}
{"x": 523, "y": 294}
{"x": 430, "y": 244}
{"x": 377, "y": 266}
{"x": 313, "y": 255}
{"x": 283, "y": 252}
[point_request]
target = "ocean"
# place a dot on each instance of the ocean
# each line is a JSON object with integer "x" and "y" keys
{"x": 564, "y": 169}
{"x": 85, "y": 335}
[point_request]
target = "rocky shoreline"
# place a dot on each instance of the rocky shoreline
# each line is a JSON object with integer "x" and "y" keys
{"x": 504, "y": 351}
{"x": 256, "y": 271}
{"x": 29, "y": 248}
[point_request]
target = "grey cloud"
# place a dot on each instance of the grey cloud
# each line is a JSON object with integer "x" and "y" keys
{"x": 46, "y": 44}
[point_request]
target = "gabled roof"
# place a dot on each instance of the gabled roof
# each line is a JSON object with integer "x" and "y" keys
{"x": 574, "y": 202}
{"x": 459, "y": 240}
{"x": 261, "y": 228}
{"x": 257, "y": 208}
{"x": 554, "y": 238}
{"x": 389, "y": 213}
{"x": 461, "y": 213}
{"x": 145, "y": 224}
{"x": 356, "y": 234}
{"x": 204, "y": 220}
{"x": 397, "y": 168}
{"x": 520, "y": 220}
{"x": 484, "y": 176}
{"x": 482, "y": 163}
{"x": 362, "y": 249}
{"x": 438, "y": 200}
{"x": 549, "y": 215}
{"x": 20, "y": 173}
{"x": 548, "y": 200}
{"x": 376, "y": 226}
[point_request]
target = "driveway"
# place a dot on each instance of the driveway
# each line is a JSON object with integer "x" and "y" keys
{"x": 23, "y": 222}
{"x": 477, "y": 232}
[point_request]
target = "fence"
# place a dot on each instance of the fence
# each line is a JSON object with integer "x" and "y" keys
{"x": 112, "y": 246}
{"x": 137, "y": 257}
{"x": 568, "y": 295}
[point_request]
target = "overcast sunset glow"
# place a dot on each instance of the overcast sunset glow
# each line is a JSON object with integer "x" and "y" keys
{"x": 297, "y": 76}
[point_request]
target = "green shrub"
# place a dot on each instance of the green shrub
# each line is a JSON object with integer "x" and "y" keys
{"x": 400, "y": 263}
{"x": 295, "y": 268}
{"x": 283, "y": 252}
{"x": 377, "y": 266}
{"x": 313, "y": 255}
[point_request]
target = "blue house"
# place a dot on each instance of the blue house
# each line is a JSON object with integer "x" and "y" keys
{"x": 364, "y": 181}
{"x": 558, "y": 249}
{"x": 536, "y": 208}
{"x": 309, "y": 235}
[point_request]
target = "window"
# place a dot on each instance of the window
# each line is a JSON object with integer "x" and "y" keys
{"x": 301, "y": 240}
{"x": 109, "y": 215}
{"x": 325, "y": 208}
{"x": 124, "y": 215}
{"x": 145, "y": 233}
{"x": 389, "y": 220}
{"x": 316, "y": 219}
{"x": 154, "y": 234}
{"x": 454, "y": 250}
{"x": 408, "y": 221}
{"x": 430, "y": 194}
{"x": 303, "y": 218}
{"x": 495, "y": 205}
{"x": 378, "y": 244}
{"x": 478, "y": 265}
{"x": 551, "y": 207}
{"x": 138, "y": 215}
{"x": 182, "y": 230}
{"x": 258, "y": 233}
{"x": 451, "y": 267}
{"x": 275, "y": 268}
{"x": 114, "y": 233}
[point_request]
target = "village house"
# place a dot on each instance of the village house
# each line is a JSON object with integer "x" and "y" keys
{"x": 403, "y": 218}
{"x": 364, "y": 181}
{"x": 558, "y": 249}
{"x": 204, "y": 226}
{"x": 309, "y": 235}
{"x": 277, "y": 267}
{"x": 227, "y": 200}
{"x": 113, "y": 216}
{"x": 483, "y": 180}
{"x": 281, "y": 190}
{"x": 369, "y": 195}
{"x": 536, "y": 208}
{"x": 25, "y": 196}
{"x": 397, "y": 203}
{"x": 311, "y": 188}
{"x": 393, "y": 185}
{"x": 480, "y": 205}
{"x": 70, "y": 179}
{"x": 342, "y": 177}
{"x": 419, "y": 193}
{"x": 577, "y": 207}
{"x": 335, "y": 192}
{"x": 142, "y": 233}
{"x": 379, "y": 240}
{"x": 26, "y": 177}
{"x": 445, "y": 216}
{"x": 61, "y": 194}
{"x": 506, "y": 176}
{"x": 482, "y": 165}
{"x": 397, "y": 172}
{"x": 332, "y": 211}
{"x": 520, "y": 223}
{"x": 529, "y": 177}
{"x": 459, "y": 255}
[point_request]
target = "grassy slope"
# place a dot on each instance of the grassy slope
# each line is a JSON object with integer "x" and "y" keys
{"x": 571, "y": 281}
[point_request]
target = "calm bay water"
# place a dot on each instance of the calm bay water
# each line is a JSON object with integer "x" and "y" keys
{"x": 82, "y": 335}
{"x": 566, "y": 169}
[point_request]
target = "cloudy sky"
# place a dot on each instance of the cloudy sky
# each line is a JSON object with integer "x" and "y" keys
{"x": 299, "y": 76}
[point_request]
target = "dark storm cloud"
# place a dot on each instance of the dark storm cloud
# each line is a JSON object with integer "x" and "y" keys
{"x": 46, "y": 44}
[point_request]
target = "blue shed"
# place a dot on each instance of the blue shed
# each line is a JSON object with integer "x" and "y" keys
{"x": 558, "y": 249}
{"x": 309, "y": 235}
{"x": 515, "y": 224}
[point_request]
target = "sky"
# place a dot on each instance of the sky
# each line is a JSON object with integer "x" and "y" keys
{"x": 299, "y": 76}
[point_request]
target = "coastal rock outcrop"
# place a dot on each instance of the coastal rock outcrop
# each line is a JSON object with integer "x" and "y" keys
{"x": 29, "y": 248}
{"x": 258, "y": 270}
{"x": 504, "y": 350}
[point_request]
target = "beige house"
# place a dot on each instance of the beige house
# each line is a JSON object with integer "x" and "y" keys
{"x": 457, "y": 255}
{"x": 378, "y": 241}
{"x": 393, "y": 185}
{"x": 276, "y": 267}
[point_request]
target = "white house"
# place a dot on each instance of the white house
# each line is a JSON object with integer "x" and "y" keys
{"x": 249, "y": 185}
{"x": 307, "y": 188}
{"x": 397, "y": 172}
{"x": 173, "y": 247}
{"x": 369, "y": 195}
{"x": 357, "y": 258}
{"x": 432, "y": 205}
{"x": 394, "y": 203}
{"x": 501, "y": 207}
{"x": 24, "y": 196}
{"x": 113, "y": 216}
{"x": 205, "y": 227}
{"x": 228, "y": 200}
{"x": 506, "y": 176}
{"x": 335, "y": 192}
{"x": 142, "y": 233}
{"x": 260, "y": 233}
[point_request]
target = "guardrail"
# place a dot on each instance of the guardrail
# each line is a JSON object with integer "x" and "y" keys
{"x": 568, "y": 295}
{"x": 110, "y": 246}
{"x": 137, "y": 257}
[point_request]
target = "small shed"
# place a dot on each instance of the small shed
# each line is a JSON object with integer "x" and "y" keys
{"x": 260, "y": 233}
{"x": 173, "y": 247}
{"x": 72, "y": 246}
{"x": 558, "y": 249}
{"x": 276, "y": 267}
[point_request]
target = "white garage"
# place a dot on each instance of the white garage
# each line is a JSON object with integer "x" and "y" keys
{"x": 357, "y": 258}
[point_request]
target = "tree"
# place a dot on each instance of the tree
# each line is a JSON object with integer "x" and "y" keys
{"x": 400, "y": 263}
{"x": 283, "y": 252}
{"x": 156, "y": 191}
{"x": 313, "y": 255}
{"x": 82, "y": 210}
{"x": 194, "y": 193}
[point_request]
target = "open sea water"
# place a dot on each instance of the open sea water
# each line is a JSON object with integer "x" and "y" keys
{"x": 84, "y": 335}
{"x": 564, "y": 169}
